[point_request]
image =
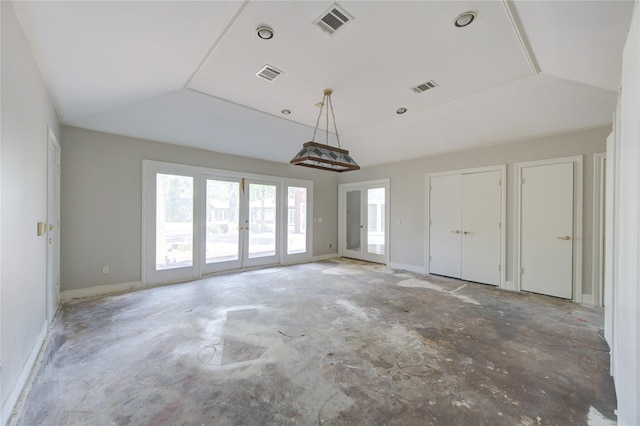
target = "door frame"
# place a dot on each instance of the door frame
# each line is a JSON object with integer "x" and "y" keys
{"x": 502, "y": 168}
{"x": 597, "y": 274}
{"x": 577, "y": 219}
{"x": 342, "y": 188}
{"x": 53, "y": 287}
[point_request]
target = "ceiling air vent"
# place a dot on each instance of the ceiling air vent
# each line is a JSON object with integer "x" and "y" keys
{"x": 333, "y": 19}
{"x": 268, "y": 73}
{"x": 425, "y": 86}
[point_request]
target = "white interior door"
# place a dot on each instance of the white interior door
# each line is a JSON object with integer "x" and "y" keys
{"x": 53, "y": 227}
{"x": 353, "y": 223}
{"x": 481, "y": 222}
{"x": 445, "y": 235}
{"x": 546, "y": 229}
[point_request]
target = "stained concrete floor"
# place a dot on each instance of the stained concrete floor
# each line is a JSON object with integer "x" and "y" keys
{"x": 336, "y": 342}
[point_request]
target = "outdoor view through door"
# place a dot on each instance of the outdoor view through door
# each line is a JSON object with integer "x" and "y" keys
{"x": 174, "y": 221}
{"x": 198, "y": 222}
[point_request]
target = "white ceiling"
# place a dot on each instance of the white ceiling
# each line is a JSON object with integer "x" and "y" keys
{"x": 184, "y": 72}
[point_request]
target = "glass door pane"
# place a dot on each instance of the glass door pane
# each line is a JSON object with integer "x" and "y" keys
{"x": 262, "y": 220}
{"x": 353, "y": 222}
{"x": 296, "y": 220}
{"x": 222, "y": 218}
{"x": 174, "y": 221}
{"x": 375, "y": 220}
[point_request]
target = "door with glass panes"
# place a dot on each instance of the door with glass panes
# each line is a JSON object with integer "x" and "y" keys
{"x": 196, "y": 223}
{"x": 363, "y": 221}
{"x": 242, "y": 223}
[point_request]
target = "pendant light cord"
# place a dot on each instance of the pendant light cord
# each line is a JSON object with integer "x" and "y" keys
{"x": 326, "y": 100}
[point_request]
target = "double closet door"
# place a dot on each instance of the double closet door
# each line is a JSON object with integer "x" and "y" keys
{"x": 465, "y": 226}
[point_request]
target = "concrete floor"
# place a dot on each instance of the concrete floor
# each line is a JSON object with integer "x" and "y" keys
{"x": 336, "y": 342}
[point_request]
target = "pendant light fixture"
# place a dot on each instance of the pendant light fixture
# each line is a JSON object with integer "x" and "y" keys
{"x": 321, "y": 155}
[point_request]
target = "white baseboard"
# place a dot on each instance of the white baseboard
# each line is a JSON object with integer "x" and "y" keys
{"x": 587, "y": 299}
{"x": 23, "y": 378}
{"x": 99, "y": 290}
{"x": 509, "y": 285}
{"x": 406, "y": 267}
{"x": 324, "y": 257}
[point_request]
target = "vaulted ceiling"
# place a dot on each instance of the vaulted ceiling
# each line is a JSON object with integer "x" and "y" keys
{"x": 185, "y": 72}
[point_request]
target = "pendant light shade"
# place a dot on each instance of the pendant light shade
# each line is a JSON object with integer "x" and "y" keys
{"x": 323, "y": 156}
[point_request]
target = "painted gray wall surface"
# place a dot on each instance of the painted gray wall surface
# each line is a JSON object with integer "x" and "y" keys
{"x": 26, "y": 114}
{"x": 101, "y": 206}
{"x": 408, "y": 190}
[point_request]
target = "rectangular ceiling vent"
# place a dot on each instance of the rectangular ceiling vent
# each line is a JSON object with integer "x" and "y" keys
{"x": 269, "y": 73}
{"x": 333, "y": 19}
{"x": 425, "y": 86}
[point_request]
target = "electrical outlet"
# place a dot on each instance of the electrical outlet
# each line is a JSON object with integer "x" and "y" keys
{"x": 105, "y": 269}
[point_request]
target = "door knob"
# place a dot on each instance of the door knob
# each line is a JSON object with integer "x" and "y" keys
{"x": 466, "y": 232}
{"x": 565, "y": 237}
{"x": 456, "y": 231}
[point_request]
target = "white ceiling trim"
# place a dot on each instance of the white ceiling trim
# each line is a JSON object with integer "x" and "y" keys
{"x": 526, "y": 48}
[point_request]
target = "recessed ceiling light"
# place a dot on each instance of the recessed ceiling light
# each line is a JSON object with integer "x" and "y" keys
{"x": 465, "y": 19}
{"x": 401, "y": 110}
{"x": 286, "y": 111}
{"x": 265, "y": 33}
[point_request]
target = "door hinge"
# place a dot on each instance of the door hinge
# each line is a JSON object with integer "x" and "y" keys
{"x": 499, "y": 182}
{"x": 521, "y": 271}
{"x": 58, "y": 168}
{"x": 429, "y": 258}
{"x": 499, "y": 225}
{"x": 498, "y": 267}
{"x": 522, "y": 180}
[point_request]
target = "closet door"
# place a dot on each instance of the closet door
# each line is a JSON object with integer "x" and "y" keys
{"x": 546, "y": 229}
{"x": 445, "y": 198}
{"x": 481, "y": 222}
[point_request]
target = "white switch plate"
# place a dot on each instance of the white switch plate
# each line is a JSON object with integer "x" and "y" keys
{"x": 105, "y": 269}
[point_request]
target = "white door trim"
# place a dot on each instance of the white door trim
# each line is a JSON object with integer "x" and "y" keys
{"x": 577, "y": 219}
{"x": 599, "y": 182}
{"x": 51, "y": 139}
{"x": 502, "y": 168}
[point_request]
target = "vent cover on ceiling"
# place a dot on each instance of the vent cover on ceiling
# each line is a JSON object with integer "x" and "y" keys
{"x": 269, "y": 73}
{"x": 424, "y": 86}
{"x": 333, "y": 19}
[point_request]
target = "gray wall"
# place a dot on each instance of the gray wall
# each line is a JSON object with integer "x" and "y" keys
{"x": 26, "y": 113}
{"x": 102, "y": 201}
{"x": 408, "y": 191}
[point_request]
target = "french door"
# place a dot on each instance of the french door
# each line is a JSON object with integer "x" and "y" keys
{"x": 198, "y": 222}
{"x": 241, "y": 217}
{"x": 363, "y": 221}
